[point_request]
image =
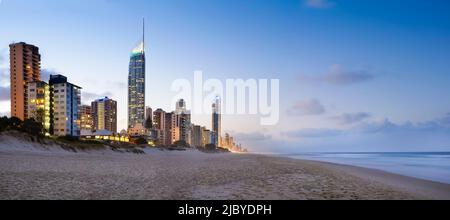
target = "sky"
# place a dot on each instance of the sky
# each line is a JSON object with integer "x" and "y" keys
{"x": 354, "y": 75}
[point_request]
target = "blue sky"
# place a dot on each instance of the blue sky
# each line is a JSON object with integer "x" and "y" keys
{"x": 355, "y": 75}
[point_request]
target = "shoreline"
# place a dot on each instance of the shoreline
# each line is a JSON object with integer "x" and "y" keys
{"x": 200, "y": 176}
{"x": 29, "y": 172}
{"x": 438, "y": 190}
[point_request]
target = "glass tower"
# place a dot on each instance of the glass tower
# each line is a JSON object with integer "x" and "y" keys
{"x": 136, "y": 86}
{"x": 217, "y": 121}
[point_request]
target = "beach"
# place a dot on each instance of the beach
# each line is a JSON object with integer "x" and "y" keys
{"x": 29, "y": 172}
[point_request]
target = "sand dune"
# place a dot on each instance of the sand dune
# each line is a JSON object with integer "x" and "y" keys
{"x": 32, "y": 173}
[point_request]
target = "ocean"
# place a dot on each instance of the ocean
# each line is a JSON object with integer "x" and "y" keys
{"x": 433, "y": 166}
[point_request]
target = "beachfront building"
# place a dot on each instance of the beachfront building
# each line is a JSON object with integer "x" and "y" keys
{"x": 138, "y": 130}
{"x": 85, "y": 118}
{"x": 168, "y": 129}
{"x": 104, "y": 114}
{"x": 38, "y": 107}
{"x": 197, "y": 136}
{"x": 136, "y": 86}
{"x": 180, "y": 107}
{"x": 217, "y": 121}
{"x": 206, "y": 137}
{"x": 148, "y": 118}
{"x": 181, "y": 123}
{"x": 25, "y": 67}
{"x": 159, "y": 125}
{"x": 65, "y": 99}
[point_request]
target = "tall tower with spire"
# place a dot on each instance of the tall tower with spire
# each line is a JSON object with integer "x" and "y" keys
{"x": 136, "y": 84}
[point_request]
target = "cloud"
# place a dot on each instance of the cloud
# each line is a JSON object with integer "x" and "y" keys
{"x": 45, "y": 74}
{"x": 88, "y": 97}
{"x": 4, "y": 93}
{"x": 351, "y": 118}
{"x": 444, "y": 121}
{"x": 2, "y": 57}
{"x": 255, "y": 136}
{"x": 119, "y": 85}
{"x": 377, "y": 135}
{"x": 307, "y": 107}
{"x": 320, "y": 4}
{"x": 7, "y": 114}
{"x": 4, "y": 77}
{"x": 313, "y": 133}
{"x": 337, "y": 75}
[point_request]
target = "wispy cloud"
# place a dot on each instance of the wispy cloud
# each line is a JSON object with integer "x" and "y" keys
{"x": 4, "y": 93}
{"x": 88, "y": 97}
{"x": 337, "y": 75}
{"x": 320, "y": 4}
{"x": 45, "y": 74}
{"x": 2, "y": 54}
{"x": 313, "y": 133}
{"x": 365, "y": 127}
{"x": 307, "y": 107}
{"x": 255, "y": 136}
{"x": 7, "y": 114}
{"x": 351, "y": 118}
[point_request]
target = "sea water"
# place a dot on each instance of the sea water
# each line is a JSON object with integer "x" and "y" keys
{"x": 429, "y": 166}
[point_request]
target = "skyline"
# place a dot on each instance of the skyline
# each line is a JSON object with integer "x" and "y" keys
{"x": 351, "y": 78}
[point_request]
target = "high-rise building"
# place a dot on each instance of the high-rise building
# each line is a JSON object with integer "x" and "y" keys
{"x": 25, "y": 67}
{"x": 197, "y": 136}
{"x": 85, "y": 118}
{"x": 38, "y": 106}
{"x": 159, "y": 125}
{"x": 65, "y": 99}
{"x": 206, "y": 137}
{"x": 148, "y": 117}
{"x": 227, "y": 141}
{"x": 175, "y": 127}
{"x": 217, "y": 121}
{"x": 104, "y": 114}
{"x": 181, "y": 123}
{"x": 136, "y": 86}
{"x": 185, "y": 127}
{"x": 168, "y": 129}
{"x": 180, "y": 107}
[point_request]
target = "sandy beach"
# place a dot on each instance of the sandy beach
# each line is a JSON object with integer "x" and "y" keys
{"x": 30, "y": 172}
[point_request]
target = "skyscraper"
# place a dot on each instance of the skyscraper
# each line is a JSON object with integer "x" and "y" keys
{"x": 168, "y": 128}
{"x": 196, "y": 136}
{"x": 217, "y": 121}
{"x": 136, "y": 85}
{"x": 104, "y": 114}
{"x": 25, "y": 67}
{"x": 39, "y": 103}
{"x": 180, "y": 107}
{"x": 85, "y": 118}
{"x": 148, "y": 118}
{"x": 159, "y": 124}
{"x": 181, "y": 123}
{"x": 65, "y": 100}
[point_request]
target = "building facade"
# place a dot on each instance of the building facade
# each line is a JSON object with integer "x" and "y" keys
{"x": 148, "y": 117}
{"x": 168, "y": 140}
{"x": 38, "y": 107}
{"x": 159, "y": 125}
{"x": 197, "y": 136}
{"x": 136, "y": 86}
{"x": 25, "y": 67}
{"x": 85, "y": 118}
{"x": 206, "y": 137}
{"x": 217, "y": 121}
{"x": 104, "y": 114}
{"x": 65, "y": 99}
